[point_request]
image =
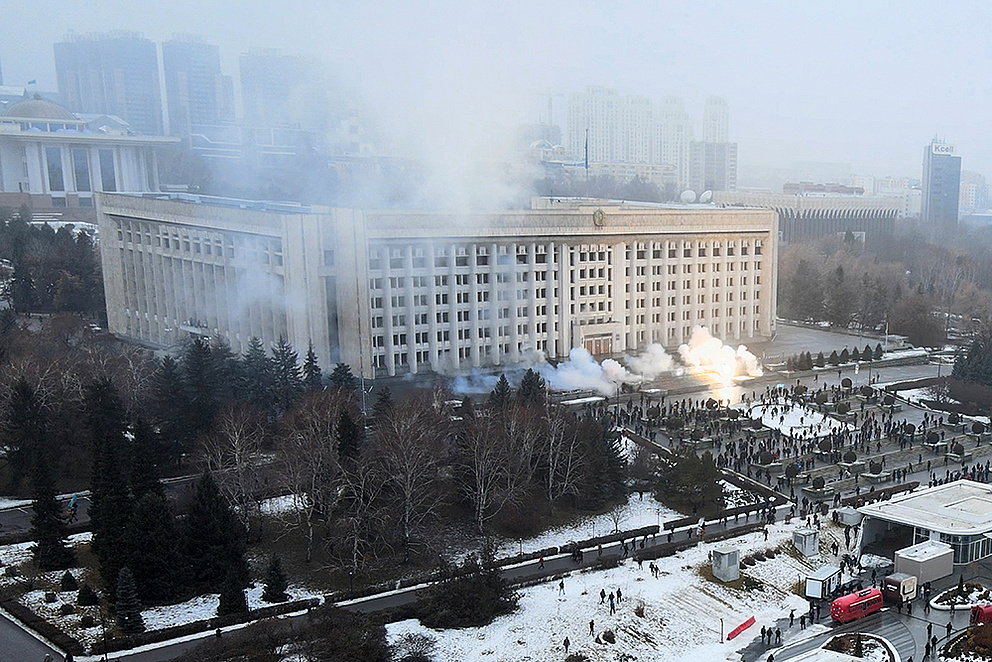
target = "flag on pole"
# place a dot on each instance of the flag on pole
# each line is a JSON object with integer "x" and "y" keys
{"x": 32, "y": 82}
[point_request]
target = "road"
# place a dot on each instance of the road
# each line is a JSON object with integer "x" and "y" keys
{"x": 19, "y": 645}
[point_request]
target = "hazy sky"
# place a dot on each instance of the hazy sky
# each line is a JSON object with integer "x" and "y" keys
{"x": 864, "y": 82}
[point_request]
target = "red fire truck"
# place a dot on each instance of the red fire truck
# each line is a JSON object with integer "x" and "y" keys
{"x": 856, "y": 605}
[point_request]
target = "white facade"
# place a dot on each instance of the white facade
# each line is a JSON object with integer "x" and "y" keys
{"x": 716, "y": 120}
{"x": 405, "y": 292}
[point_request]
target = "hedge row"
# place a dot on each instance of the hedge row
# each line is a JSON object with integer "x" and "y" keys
{"x": 126, "y": 642}
{"x": 667, "y": 549}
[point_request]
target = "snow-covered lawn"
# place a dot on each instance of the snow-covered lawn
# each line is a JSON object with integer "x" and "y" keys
{"x": 682, "y": 611}
{"x": 917, "y": 395}
{"x": 203, "y": 607}
{"x": 735, "y": 497}
{"x": 8, "y": 502}
{"x": 797, "y": 419}
{"x": 637, "y": 513}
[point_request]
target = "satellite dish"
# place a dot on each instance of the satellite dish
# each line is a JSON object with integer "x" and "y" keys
{"x": 706, "y": 196}
{"x": 688, "y": 196}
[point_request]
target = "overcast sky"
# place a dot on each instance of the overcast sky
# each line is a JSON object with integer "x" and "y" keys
{"x": 867, "y": 82}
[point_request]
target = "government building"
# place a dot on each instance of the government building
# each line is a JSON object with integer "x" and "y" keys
{"x": 399, "y": 292}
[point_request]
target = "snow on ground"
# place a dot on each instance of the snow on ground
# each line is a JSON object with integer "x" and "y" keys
{"x": 638, "y": 512}
{"x": 203, "y": 607}
{"x": 682, "y": 611}
{"x": 9, "y": 502}
{"x": 917, "y": 395}
{"x": 735, "y": 497}
{"x": 797, "y": 419}
{"x": 279, "y": 505}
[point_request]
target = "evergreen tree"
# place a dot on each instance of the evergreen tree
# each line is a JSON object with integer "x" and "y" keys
{"x": 145, "y": 447}
{"x": 349, "y": 436}
{"x": 156, "y": 558}
{"x": 111, "y": 503}
{"x": 22, "y": 288}
{"x": 258, "y": 382}
{"x": 342, "y": 378}
{"x": 807, "y": 361}
{"x": 855, "y": 354}
{"x": 87, "y": 597}
{"x": 23, "y": 430}
{"x": 201, "y": 383}
{"x": 833, "y": 359}
{"x": 313, "y": 379}
{"x": 224, "y": 368}
{"x": 170, "y": 405}
{"x": 879, "y": 352}
{"x": 845, "y": 356}
{"x": 383, "y": 406}
{"x": 820, "y": 361}
{"x": 287, "y": 375}
{"x": 691, "y": 483}
{"x": 604, "y": 465}
{"x": 51, "y": 551}
{"x": 275, "y": 582}
{"x": 232, "y": 597}
{"x": 128, "y": 606}
{"x": 68, "y": 582}
{"x": 532, "y": 389}
{"x": 501, "y": 395}
{"x": 214, "y": 538}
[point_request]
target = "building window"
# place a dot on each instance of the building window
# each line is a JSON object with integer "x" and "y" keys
{"x": 56, "y": 182}
{"x": 108, "y": 174}
{"x": 81, "y": 168}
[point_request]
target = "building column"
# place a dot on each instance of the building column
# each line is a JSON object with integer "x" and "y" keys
{"x": 550, "y": 284}
{"x": 411, "y": 315}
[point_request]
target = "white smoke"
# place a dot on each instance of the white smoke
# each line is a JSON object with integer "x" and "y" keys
{"x": 704, "y": 352}
{"x": 654, "y": 362}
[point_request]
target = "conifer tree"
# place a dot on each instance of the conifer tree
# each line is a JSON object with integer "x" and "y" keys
{"x": 855, "y": 354}
{"x": 834, "y": 359}
{"x": 313, "y": 379}
{"x": 879, "y": 352}
{"x": 349, "y": 437}
{"x": 866, "y": 353}
{"x": 287, "y": 375}
{"x": 170, "y": 406}
{"x": 156, "y": 560}
{"x": 51, "y": 551}
{"x": 501, "y": 395}
{"x": 232, "y": 597}
{"x": 342, "y": 378}
{"x": 256, "y": 375}
{"x": 128, "y": 606}
{"x": 201, "y": 383}
{"x": 275, "y": 582}
{"x": 111, "y": 503}
{"x": 845, "y": 356}
{"x": 214, "y": 538}
{"x": 23, "y": 430}
{"x": 820, "y": 361}
{"x": 383, "y": 406}
{"x": 143, "y": 450}
{"x": 224, "y": 368}
{"x": 532, "y": 389}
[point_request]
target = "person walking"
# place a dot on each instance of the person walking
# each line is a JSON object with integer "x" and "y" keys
{"x": 561, "y": 587}
{"x": 778, "y": 635}
{"x": 566, "y": 644}
{"x": 792, "y": 618}
{"x": 802, "y": 621}
{"x": 613, "y": 606}
{"x": 540, "y": 563}
{"x": 948, "y": 628}
{"x": 602, "y": 595}
{"x": 592, "y": 627}
{"x": 619, "y": 595}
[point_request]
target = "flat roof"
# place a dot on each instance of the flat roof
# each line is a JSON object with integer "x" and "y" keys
{"x": 963, "y": 507}
{"x": 924, "y": 551}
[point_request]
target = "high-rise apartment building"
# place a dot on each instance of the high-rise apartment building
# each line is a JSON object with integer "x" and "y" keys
{"x": 974, "y": 191}
{"x": 113, "y": 74}
{"x": 712, "y": 166}
{"x": 673, "y": 134}
{"x": 716, "y": 120}
{"x": 279, "y": 89}
{"x": 941, "y": 184}
{"x": 196, "y": 92}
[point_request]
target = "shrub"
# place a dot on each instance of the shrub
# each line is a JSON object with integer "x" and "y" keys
{"x": 87, "y": 597}
{"x": 609, "y": 637}
{"x": 67, "y": 608}
{"x": 471, "y": 599}
{"x": 50, "y": 597}
{"x": 68, "y": 582}
{"x": 87, "y": 621}
{"x": 639, "y": 609}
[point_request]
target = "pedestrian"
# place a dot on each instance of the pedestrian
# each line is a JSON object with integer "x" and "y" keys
{"x": 765, "y": 531}
{"x": 602, "y": 595}
{"x": 763, "y": 632}
{"x": 899, "y": 607}
{"x": 561, "y": 587}
{"x": 792, "y": 618}
{"x": 778, "y": 635}
{"x": 929, "y": 630}
{"x": 613, "y": 606}
{"x": 540, "y": 563}
{"x": 802, "y": 621}
{"x": 592, "y": 627}
{"x": 566, "y": 643}
{"x": 909, "y": 608}
{"x": 948, "y": 628}
{"x": 952, "y": 609}
{"x": 926, "y": 651}
{"x": 619, "y": 596}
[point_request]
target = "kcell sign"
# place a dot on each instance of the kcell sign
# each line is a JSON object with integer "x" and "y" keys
{"x": 941, "y": 148}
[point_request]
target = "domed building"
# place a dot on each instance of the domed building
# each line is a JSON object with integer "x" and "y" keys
{"x": 53, "y": 161}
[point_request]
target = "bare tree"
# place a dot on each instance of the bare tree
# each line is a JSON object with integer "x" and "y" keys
{"x": 362, "y": 513}
{"x": 487, "y": 469}
{"x": 308, "y": 460}
{"x": 410, "y": 445}
{"x": 562, "y": 456}
{"x": 617, "y": 515}
{"x": 232, "y": 452}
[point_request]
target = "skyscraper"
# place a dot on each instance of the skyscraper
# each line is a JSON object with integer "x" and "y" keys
{"x": 716, "y": 120}
{"x": 674, "y": 134}
{"x": 278, "y": 89}
{"x": 195, "y": 89}
{"x": 114, "y": 74}
{"x": 941, "y": 184}
{"x": 713, "y": 167}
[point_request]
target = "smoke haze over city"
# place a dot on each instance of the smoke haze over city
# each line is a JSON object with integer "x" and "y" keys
{"x": 865, "y": 84}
